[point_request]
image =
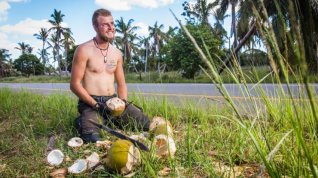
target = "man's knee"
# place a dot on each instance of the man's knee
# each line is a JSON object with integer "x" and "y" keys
{"x": 87, "y": 131}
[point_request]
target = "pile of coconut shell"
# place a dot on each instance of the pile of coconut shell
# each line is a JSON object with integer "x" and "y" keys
{"x": 120, "y": 155}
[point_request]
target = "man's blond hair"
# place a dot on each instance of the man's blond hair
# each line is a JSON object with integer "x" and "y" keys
{"x": 100, "y": 12}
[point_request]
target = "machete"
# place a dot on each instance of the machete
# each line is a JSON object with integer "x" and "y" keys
{"x": 121, "y": 136}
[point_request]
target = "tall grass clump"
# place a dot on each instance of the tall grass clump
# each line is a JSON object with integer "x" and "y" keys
{"x": 283, "y": 128}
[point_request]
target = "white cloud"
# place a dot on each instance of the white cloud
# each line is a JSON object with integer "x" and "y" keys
{"x": 143, "y": 29}
{"x": 4, "y": 7}
{"x": 17, "y": 0}
{"x": 128, "y": 4}
{"x": 26, "y": 27}
{"x": 11, "y": 35}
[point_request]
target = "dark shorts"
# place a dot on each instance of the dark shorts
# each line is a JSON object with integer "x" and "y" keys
{"x": 132, "y": 118}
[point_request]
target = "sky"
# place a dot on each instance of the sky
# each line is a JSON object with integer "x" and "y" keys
{"x": 20, "y": 19}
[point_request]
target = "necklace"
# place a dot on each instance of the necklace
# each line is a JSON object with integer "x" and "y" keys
{"x": 101, "y": 49}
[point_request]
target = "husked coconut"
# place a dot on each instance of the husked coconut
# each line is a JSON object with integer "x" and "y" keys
{"x": 59, "y": 173}
{"x": 75, "y": 142}
{"x": 123, "y": 157}
{"x": 92, "y": 160}
{"x": 55, "y": 157}
{"x": 78, "y": 166}
{"x": 117, "y": 106}
{"x": 103, "y": 144}
{"x": 164, "y": 146}
{"x": 160, "y": 125}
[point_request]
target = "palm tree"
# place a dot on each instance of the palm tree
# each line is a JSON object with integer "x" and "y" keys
{"x": 200, "y": 10}
{"x": 224, "y": 4}
{"x": 59, "y": 31}
{"x": 127, "y": 30}
{"x": 68, "y": 43}
{"x": 170, "y": 33}
{"x": 144, "y": 41}
{"x": 4, "y": 56}
{"x": 55, "y": 43}
{"x": 43, "y": 35}
{"x": 157, "y": 34}
{"x": 23, "y": 47}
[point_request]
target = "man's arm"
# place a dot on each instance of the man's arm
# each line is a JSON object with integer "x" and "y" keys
{"x": 78, "y": 70}
{"x": 120, "y": 78}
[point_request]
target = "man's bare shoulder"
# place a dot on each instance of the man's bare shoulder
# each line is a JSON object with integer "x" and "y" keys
{"x": 87, "y": 45}
{"x": 84, "y": 50}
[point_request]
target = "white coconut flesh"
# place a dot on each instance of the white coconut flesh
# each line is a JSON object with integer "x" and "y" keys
{"x": 133, "y": 160}
{"x": 164, "y": 145}
{"x": 92, "y": 160}
{"x": 116, "y": 104}
{"x": 55, "y": 157}
{"x": 79, "y": 166}
{"x": 75, "y": 142}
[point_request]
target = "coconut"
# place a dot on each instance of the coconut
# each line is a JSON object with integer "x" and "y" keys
{"x": 160, "y": 125}
{"x": 59, "y": 173}
{"x": 75, "y": 142}
{"x": 123, "y": 157}
{"x": 92, "y": 160}
{"x": 103, "y": 144}
{"x": 78, "y": 166}
{"x": 117, "y": 106}
{"x": 164, "y": 146}
{"x": 55, "y": 157}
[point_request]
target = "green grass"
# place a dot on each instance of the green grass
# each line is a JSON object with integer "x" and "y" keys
{"x": 208, "y": 134}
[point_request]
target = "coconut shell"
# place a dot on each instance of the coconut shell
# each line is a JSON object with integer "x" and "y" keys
{"x": 59, "y": 173}
{"x": 165, "y": 129}
{"x": 164, "y": 145}
{"x": 75, "y": 142}
{"x": 55, "y": 157}
{"x": 160, "y": 125}
{"x": 117, "y": 106}
{"x": 78, "y": 166}
{"x": 123, "y": 156}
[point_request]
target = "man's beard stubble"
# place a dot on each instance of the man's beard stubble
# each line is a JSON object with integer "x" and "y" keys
{"x": 105, "y": 38}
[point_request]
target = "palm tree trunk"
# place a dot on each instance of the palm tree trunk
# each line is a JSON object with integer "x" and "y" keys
{"x": 146, "y": 58}
{"x": 239, "y": 46}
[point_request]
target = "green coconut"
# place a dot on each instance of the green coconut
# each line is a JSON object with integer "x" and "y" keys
{"x": 123, "y": 157}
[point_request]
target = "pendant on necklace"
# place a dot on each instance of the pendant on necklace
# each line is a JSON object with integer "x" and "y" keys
{"x": 105, "y": 59}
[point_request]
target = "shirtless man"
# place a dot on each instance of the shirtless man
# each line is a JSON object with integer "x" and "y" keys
{"x": 96, "y": 65}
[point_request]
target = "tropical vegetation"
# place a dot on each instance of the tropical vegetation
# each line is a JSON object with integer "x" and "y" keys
{"x": 170, "y": 50}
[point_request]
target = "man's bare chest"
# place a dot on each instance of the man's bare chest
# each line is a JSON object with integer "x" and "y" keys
{"x": 98, "y": 64}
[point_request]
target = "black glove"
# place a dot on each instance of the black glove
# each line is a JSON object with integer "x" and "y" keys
{"x": 102, "y": 108}
{"x": 126, "y": 102}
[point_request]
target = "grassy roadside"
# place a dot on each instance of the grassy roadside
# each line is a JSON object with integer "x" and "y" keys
{"x": 209, "y": 141}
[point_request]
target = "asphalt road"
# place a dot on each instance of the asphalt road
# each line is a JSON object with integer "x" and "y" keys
{"x": 183, "y": 90}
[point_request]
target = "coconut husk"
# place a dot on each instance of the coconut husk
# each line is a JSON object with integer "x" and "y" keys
{"x": 117, "y": 106}
{"x": 59, "y": 173}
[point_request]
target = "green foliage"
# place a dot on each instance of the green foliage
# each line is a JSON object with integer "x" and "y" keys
{"x": 70, "y": 55}
{"x": 182, "y": 52}
{"x": 253, "y": 57}
{"x": 29, "y": 64}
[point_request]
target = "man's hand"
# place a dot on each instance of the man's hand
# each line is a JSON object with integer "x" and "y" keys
{"x": 126, "y": 102}
{"x": 102, "y": 108}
